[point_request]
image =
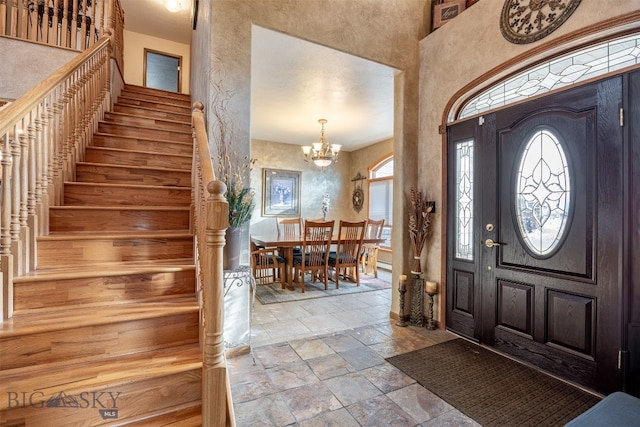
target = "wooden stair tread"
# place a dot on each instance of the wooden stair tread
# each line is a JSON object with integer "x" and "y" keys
{"x": 140, "y": 138}
{"x": 115, "y": 186}
{"x": 84, "y": 235}
{"x": 114, "y": 115}
{"x": 143, "y": 127}
{"x": 94, "y": 147}
{"x": 186, "y": 116}
{"x": 87, "y": 374}
{"x": 153, "y": 266}
{"x": 120, "y": 208}
{"x": 26, "y": 324}
{"x": 141, "y": 168}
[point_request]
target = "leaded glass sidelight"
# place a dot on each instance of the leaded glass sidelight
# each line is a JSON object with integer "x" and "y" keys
{"x": 542, "y": 193}
{"x": 464, "y": 200}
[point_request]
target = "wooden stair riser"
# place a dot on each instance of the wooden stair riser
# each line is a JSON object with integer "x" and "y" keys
{"x": 187, "y": 416}
{"x": 109, "y": 339}
{"x": 131, "y": 399}
{"x": 86, "y": 194}
{"x": 149, "y": 122}
{"x": 106, "y": 289}
{"x": 69, "y": 219}
{"x": 135, "y": 158}
{"x": 158, "y": 103}
{"x": 148, "y": 112}
{"x": 185, "y": 103}
{"x": 132, "y": 91}
{"x": 114, "y": 174}
{"x": 142, "y": 144}
{"x": 62, "y": 253}
{"x": 144, "y": 132}
{"x": 123, "y": 100}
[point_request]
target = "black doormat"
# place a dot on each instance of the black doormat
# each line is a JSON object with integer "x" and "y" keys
{"x": 492, "y": 389}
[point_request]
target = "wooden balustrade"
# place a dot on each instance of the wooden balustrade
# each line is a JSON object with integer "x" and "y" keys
{"x": 42, "y": 134}
{"x": 211, "y": 218}
{"x": 73, "y": 24}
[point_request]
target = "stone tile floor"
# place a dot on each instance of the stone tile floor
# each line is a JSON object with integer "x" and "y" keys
{"x": 321, "y": 362}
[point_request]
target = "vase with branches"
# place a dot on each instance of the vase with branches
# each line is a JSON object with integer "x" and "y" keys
{"x": 419, "y": 222}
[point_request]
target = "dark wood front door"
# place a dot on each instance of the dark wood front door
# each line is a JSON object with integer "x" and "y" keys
{"x": 535, "y": 217}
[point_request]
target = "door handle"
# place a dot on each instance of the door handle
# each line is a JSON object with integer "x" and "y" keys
{"x": 490, "y": 243}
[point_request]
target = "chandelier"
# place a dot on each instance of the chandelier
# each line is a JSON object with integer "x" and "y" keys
{"x": 321, "y": 153}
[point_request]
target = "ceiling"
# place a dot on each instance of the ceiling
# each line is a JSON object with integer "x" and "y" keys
{"x": 294, "y": 83}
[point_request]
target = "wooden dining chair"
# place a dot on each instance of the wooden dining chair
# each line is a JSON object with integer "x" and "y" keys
{"x": 369, "y": 253}
{"x": 315, "y": 248}
{"x": 347, "y": 254}
{"x": 266, "y": 266}
{"x": 289, "y": 228}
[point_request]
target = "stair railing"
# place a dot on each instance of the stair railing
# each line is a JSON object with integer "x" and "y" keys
{"x": 211, "y": 219}
{"x": 42, "y": 135}
{"x": 73, "y": 24}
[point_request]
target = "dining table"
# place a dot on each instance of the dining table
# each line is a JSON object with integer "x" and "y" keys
{"x": 286, "y": 245}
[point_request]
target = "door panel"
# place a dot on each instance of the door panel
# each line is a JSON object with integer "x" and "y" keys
{"x": 544, "y": 280}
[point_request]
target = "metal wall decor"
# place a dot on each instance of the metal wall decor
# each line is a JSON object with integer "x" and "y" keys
{"x": 525, "y": 21}
{"x": 358, "y": 194}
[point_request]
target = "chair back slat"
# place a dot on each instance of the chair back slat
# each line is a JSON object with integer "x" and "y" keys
{"x": 289, "y": 228}
{"x": 317, "y": 241}
{"x": 374, "y": 228}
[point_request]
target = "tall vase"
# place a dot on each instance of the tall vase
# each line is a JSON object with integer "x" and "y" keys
{"x": 231, "y": 252}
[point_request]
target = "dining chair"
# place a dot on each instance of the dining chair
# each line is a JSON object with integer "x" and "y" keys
{"x": 347, "y": 254}
{"x": 289, "y": 228}
{"x": 266, "y": 266}
{"x": 369, "y": 253}
{"x": 315, "y": 248}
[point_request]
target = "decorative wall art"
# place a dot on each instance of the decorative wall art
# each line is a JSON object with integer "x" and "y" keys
{"x": 358, "y": 194}
{"x": 445, "y": 12}
{"x": 525, "y": 21}
{"x": 280, "y": 192}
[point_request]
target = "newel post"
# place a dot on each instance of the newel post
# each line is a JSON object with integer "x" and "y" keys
{"x": 214, "y": 380}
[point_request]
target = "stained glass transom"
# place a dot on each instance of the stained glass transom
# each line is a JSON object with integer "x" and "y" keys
{"x": 542, "y": 192}
{"x": 464, "y": 200}
{"x": 566, "y": 70}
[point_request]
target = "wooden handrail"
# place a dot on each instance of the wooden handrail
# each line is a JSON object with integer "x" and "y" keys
{"x": 42, "y": 135}
{"x": 211, "y": 219}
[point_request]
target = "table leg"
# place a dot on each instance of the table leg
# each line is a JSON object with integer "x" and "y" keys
{"x": 289, "y": 270}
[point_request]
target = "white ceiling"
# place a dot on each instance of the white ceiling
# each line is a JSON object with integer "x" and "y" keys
{"x": 294, "y": 83}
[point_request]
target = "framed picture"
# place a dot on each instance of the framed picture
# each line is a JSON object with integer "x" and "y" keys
{"x": 280, "y": 192}
{"x": 445, "y": 12}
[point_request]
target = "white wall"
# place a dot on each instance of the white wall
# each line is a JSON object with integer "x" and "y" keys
{"x": 134, "y": 46}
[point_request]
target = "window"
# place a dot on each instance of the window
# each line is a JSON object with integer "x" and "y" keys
{"x": 587, "y": 63}
{"x": 381, "y": 196}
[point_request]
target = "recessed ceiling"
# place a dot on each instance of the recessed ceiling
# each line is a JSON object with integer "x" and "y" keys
{"x": 294, "y": 82}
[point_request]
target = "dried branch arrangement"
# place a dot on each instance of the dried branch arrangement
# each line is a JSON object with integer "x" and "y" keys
{"x": 419, "y": 222}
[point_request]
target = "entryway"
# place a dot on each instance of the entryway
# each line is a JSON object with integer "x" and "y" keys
{"x": 534, "y": 265}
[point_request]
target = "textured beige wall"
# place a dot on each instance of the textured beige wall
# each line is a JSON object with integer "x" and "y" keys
{"x": 314, "y": 183}
{"x": 36, "y": 62}
{"x": 334, "y": 180}
{"x": 134, "y": 46}
{"x": 462, "y": 50}
{"x": 387, "y": 32}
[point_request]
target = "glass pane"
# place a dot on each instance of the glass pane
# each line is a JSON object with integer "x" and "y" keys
{"x": 384, "y": 170}
{"x": 574, "y": 67}
{"x": 464, "y": 200}
{"x": 542, "y": 193}
{"x": 381, "y": 201}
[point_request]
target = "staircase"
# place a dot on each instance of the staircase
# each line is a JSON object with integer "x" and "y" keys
{"x": 106, "y": 330}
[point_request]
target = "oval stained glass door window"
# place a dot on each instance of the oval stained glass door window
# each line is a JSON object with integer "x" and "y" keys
{"x": 543, "y": 189}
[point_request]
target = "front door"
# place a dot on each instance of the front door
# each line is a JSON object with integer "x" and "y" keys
{"x": 536, "y": 215}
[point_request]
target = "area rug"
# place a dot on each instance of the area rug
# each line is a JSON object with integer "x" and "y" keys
{"x": 270, "y": 294}
{"x": 492, "y": 389}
